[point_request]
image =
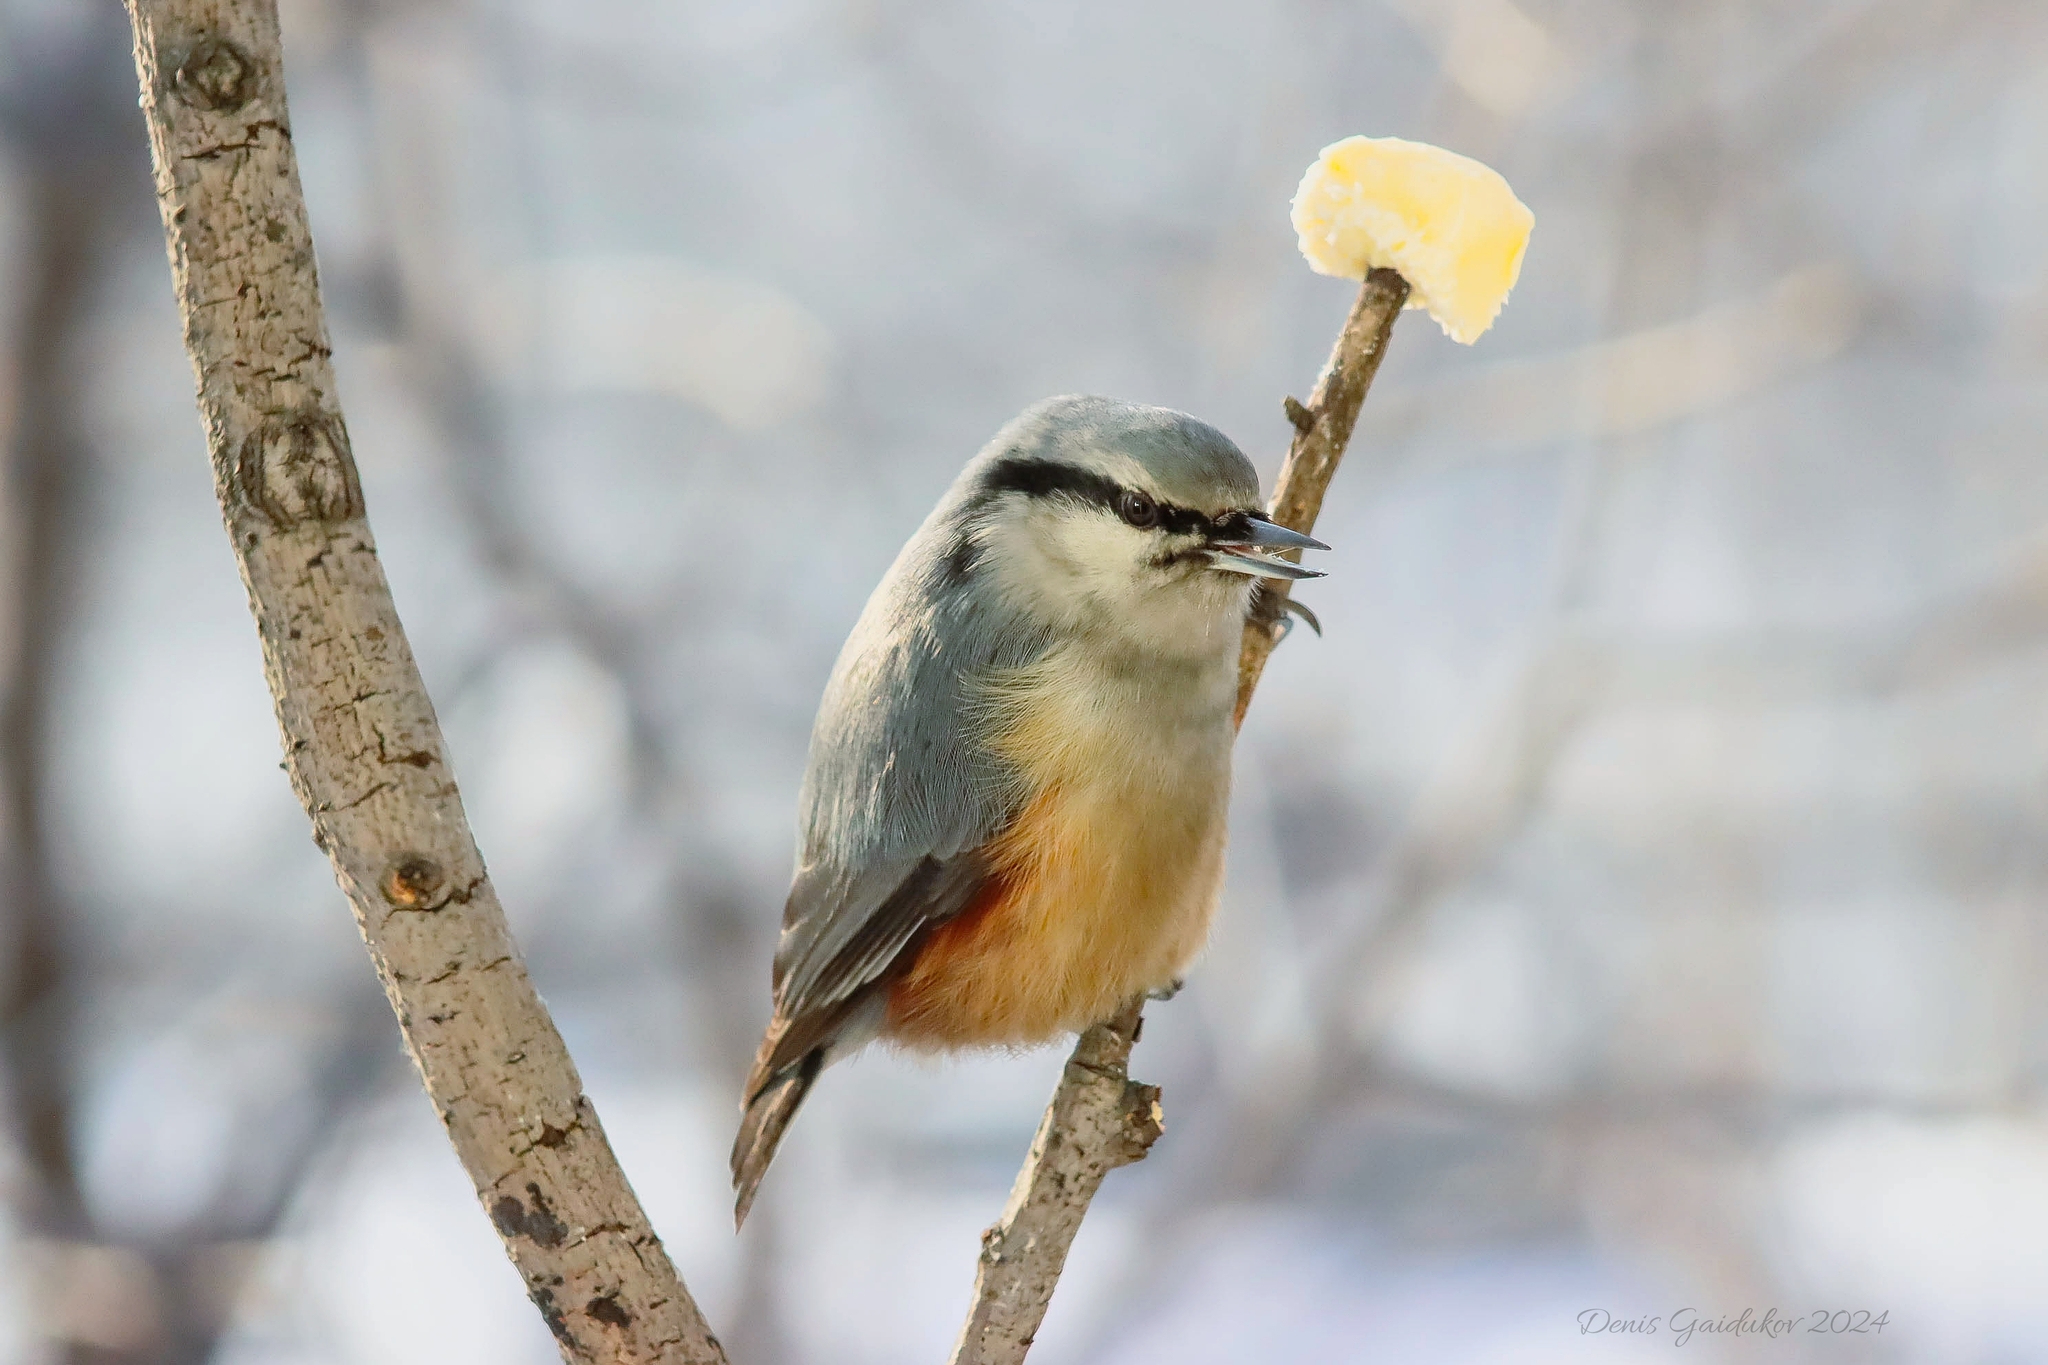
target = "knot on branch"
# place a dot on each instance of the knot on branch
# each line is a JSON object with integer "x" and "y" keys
{"x": 297, "y": 467}
{"x": 216, "y": 75}
{"x": 415, "y": 882}
{"x": 1143, "y": 1122}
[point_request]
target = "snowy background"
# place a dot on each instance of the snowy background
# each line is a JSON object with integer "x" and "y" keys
{"x": 1636, "y": 902}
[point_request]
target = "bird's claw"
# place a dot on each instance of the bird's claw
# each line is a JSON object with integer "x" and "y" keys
{"x": 1294, "y": 608}
{"x": 1168, "y": 991}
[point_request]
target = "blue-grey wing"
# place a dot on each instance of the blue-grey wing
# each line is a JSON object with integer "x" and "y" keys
{"x": 900, "y": 796}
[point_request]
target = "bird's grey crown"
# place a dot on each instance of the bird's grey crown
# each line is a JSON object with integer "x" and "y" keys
{"x": 1185, "y": 461}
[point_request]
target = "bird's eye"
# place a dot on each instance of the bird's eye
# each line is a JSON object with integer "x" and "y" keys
{"x": 1137, "y": 509}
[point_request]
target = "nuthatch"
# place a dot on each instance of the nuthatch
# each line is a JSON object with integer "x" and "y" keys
{"x": 1013, "y": 817}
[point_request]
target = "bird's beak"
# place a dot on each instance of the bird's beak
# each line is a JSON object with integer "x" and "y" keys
{"x": 1238, "y": 541}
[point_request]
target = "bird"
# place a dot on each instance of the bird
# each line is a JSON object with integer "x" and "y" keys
{"x": 1012, "y": 819}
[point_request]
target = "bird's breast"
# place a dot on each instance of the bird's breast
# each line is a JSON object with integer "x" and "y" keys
{"x": 1103, "y": 885}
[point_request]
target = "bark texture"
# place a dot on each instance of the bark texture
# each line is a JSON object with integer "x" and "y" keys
{"x": 361, "y": 742}
{"x": 1099, "y": 1118}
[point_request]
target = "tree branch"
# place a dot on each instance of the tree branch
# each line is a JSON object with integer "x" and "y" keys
{"x": 361, "y": 742}
{"x": 1099, "y": 1118}
{"x": 1322, "y": 430}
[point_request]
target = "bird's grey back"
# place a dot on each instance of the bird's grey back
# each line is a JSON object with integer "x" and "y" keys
{"x": 892, "y": 780}
{"x": 889, "y": 773}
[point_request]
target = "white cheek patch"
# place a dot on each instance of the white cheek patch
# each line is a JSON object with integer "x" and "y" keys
{"x": 1075, "y": 565}
{"x": 1105, "y": 553}
{"x": 1055, "y": 561}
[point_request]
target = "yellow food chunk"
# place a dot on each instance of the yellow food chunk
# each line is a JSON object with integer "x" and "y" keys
{"x": 1451, "y": 226}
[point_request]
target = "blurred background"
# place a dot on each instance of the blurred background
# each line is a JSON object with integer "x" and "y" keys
{"x": 1636, "y": 900}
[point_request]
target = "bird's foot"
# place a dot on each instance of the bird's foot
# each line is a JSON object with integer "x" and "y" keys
{"x": 1168, "y": 991}
{"x": 1295, "y": 608}
{"x": 1277, "y": 613}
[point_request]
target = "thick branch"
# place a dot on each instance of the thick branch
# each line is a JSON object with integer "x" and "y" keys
{"x": 362, "y": 746}
{"x": 1099, "y": 1118}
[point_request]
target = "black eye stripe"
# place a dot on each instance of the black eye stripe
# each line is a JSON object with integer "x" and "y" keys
{"x": 1048, "y": 479}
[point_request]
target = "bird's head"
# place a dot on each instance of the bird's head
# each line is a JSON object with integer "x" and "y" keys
{"x": 1134, "y": 522}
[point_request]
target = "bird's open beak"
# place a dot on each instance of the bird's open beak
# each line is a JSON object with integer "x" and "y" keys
{"x": 1238, "y": 543}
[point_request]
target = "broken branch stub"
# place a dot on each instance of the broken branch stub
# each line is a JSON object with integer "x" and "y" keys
{"x": 362, "y": 746}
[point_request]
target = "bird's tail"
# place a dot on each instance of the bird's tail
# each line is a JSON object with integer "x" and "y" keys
{"x": 770, "y": 1107}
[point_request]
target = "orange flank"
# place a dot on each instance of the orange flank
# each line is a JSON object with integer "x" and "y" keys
{"x": 1102, "y": 888}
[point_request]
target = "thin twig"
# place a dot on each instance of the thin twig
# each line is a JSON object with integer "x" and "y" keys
{"x": 1099, "y": 1119}
{"x": 1322, "y": 430}
{"x": 364, "y": 751}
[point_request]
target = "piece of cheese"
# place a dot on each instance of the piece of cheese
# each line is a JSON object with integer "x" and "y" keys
{"x": 1451, "y": 226}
